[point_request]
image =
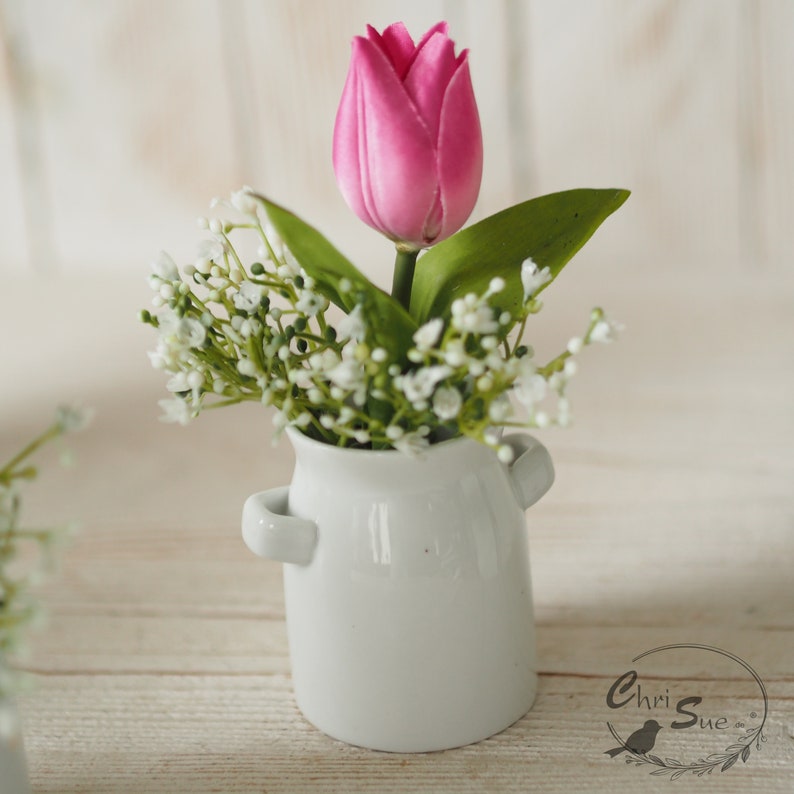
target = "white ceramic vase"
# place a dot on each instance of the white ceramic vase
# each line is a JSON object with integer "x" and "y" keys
{"x": 13, "y": 765}
{"x": 407, "y": 588}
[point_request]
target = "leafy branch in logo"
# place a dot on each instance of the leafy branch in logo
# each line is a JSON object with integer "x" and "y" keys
{"x": 725, "y": 760}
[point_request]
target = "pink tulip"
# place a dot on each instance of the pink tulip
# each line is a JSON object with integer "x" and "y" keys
{"x": 407, "y": 141}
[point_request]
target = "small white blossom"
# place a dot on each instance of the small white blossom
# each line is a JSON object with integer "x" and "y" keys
{"x": 248, "y": 297}
{"x": 428, "y": 334}
{"x": 175, "y": 410}
{"x": 71, "y": 418}
{"x": 496, "y": 286}
{"x": 455, "y": 354}
{"x": 164, "y": 267}
{"x": 246, "y": 367}
{"x": 533, "y": 278}
{"x": 530, "y": 390}
{"x": 352, "y": 326}
{"x": 605, "y": 331}
{"x": 310, "y": 303}
{"x": 243, "y": 201}
{"x": 447, "y": 403}
{"x": 575, "y": 345}
{"x": 476, "y": 319}
{"x": 542, "y": 419}
{"x": 411, "y": 444}
{"x": 347, "y": 375}
{"x": 500, "y": 409}
{"x": 563, "y": 412}
{"x": 419, "y": 385}
{"x": 211, "y": 250}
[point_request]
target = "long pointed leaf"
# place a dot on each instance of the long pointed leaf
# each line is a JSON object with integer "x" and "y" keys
{"x": 549, "y": 229}
{"x": 394, "y": 327}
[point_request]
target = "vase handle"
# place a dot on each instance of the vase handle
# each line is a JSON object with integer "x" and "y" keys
{"x": 270, "y": 532}
{"x": 531, "y": 472}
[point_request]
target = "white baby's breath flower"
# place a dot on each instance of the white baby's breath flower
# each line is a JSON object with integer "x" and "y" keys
{"x": 164, "y": 267}
{"x": 500, "y": 409}
{"x": 473, "y": 319}
{"x": 347, "y": 375}
{"x": 605, "y": 331}
{"x": 455, "y": 354}
{"x": 244, "y": 201}
{"x": 178, "y": 383}
{"x": 310, "y": 303}
{"x": 496, "y": 286}
{"x": 428, "y": 334}
{"x": 248, "y": 297}
{"x": 184, "y": 332}
{"x": 530, "y": 390}
{"x": 211, "y": 250}
{"x": 411, "y": 444}
{"x": 247, "y": 368}
{"x": 533, "y": 278}
{"x": 176, "y": 411}
{"x": 447, "y": 403}
{"x": 563, "y": 412}
{"x": 71, "y": 418}
{"x": 419, "y": 385}
{"x": 352, "y": 326}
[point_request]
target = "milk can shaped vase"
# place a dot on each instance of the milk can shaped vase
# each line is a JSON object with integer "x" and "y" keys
{"x": 407, "y": 588}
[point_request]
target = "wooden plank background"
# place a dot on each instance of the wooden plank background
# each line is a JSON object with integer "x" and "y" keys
{"x": 164, "y": 666}
{"x": 119, "y": 120}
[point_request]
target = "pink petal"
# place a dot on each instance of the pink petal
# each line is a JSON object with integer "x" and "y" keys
{"x": 346, "y": 148}
{"x": 439, "y": 27}
{"x": 383, "y": 156}
{"x": 459, "y": 152}
{"x": 428, "y": 77}
{"x": 398, "y": 45}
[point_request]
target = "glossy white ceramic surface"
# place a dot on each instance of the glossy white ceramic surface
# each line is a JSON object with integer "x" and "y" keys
{"x": 407, "y": 589}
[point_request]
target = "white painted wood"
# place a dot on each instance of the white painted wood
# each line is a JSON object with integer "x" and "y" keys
{"x": 14, "y": 254}
{"x": 135, "y": 125}
{"x": 137, "y": 115}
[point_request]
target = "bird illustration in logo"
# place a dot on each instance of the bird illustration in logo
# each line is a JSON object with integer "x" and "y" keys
{"x": 641, "y": 741}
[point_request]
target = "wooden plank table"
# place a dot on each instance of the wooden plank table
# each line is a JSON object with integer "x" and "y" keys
{"x": 164, "y": 667}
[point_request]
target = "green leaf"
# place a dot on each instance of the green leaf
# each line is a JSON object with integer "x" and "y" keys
{"x": 392, "y": 326}
{"x": 550, "y": 229}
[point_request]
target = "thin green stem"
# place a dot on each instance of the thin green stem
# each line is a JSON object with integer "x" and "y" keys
{"x": 404, "y": 266}
{"x": 7, "y": 472}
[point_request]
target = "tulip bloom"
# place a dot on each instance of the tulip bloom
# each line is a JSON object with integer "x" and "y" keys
{"x": 407, "y": 140}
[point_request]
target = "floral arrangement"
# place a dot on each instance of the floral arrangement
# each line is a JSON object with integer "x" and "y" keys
{"x": 18, "y": 572}
{"x": 300, "y": 328}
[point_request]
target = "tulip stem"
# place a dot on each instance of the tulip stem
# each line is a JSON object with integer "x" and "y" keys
{"x": 404, "y": 266}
